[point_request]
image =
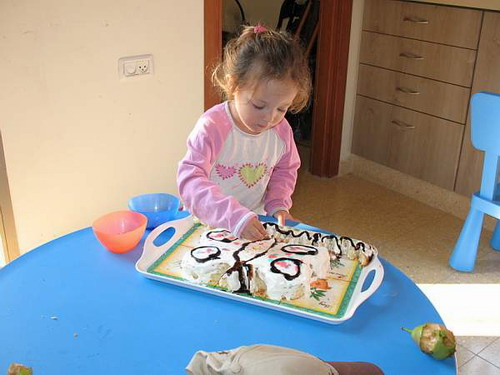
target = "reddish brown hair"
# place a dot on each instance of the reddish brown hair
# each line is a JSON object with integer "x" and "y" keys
{"x": 259, "y": 53}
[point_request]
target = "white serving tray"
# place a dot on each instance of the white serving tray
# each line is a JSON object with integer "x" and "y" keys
{"x": 152, "y": 254}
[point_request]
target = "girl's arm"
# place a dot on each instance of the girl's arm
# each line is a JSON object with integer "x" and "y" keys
{"x": 202, "y": 197}
{"x": 284, "y": 176}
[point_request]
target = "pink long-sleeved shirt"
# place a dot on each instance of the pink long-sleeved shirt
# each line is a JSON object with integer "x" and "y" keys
{"x": 228, "y": 176}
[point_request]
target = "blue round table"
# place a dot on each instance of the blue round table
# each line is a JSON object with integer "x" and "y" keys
{"x": 72, "y": 307}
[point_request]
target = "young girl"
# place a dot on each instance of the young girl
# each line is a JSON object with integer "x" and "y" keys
{"x": 241, "y": 159}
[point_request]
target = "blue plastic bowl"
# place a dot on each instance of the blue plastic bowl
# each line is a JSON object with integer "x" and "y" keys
{"x": 157, "y": 207}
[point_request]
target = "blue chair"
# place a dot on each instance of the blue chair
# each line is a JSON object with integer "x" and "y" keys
{"x": 485, "y": 136}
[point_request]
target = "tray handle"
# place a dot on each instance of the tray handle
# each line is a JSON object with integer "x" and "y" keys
{"x": 155, "y": 233}
{"x": 152, "y": 252}
{"x": 362, "y": 296}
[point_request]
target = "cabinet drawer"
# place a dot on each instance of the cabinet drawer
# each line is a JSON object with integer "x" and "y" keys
{"x": 420, "y": 145}
{"x": 437, "y": 61}
{"x": 435, "y": 23}
{"x": 436, "y": 98}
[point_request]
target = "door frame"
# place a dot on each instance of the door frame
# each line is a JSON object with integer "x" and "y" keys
{"x": 8, "y": 233}
{"x": 330, "y": 77}
{"x": 212, "y": 46}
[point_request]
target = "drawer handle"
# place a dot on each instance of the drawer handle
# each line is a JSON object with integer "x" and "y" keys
{"x": 403, "y": 125}
{"x": 408, "y": 91}
{"x": 420, "y": 21}
{"x": 410, "y": 55}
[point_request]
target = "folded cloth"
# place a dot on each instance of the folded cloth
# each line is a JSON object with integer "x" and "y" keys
{"x": 270, "y": 359}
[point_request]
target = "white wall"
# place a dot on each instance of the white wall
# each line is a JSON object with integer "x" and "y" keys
{"x": 352, "y": 78}
{"x": 78, "y": 141}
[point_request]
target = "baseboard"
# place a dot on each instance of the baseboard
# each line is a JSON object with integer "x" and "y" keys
{"x": 422, "y": 191}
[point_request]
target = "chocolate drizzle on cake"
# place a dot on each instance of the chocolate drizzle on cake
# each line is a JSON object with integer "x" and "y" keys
{"x": 283, "y": 264}
{"x": 203, "y": 254}
{"x": 278, "y": 267}
{"x": 244, "y": 269}
{"x": 337, "y": 245}
{"x": 300, "y": 249}
{"x": 221, "y": 236}
{"x": 312, "y": 237}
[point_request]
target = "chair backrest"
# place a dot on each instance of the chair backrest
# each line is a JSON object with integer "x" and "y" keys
{"x": 485, "y": 122}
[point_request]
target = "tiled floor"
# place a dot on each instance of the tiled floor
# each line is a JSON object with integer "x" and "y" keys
{"x": 414, "y": 237}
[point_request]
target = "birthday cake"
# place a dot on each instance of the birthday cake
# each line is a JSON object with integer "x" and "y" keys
{"x": 281, "y": 267}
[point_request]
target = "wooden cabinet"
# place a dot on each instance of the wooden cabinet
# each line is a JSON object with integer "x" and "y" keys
{"x": 436, "y": 61}
{"x": 408, "y": 141}
{"x": 421, "y": 94}
{"x": 434, "y": 23}
{"x": 486, "y": 78}
{"x": 419, "y": 64}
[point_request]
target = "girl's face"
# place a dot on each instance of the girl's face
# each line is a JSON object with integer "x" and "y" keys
{"x": 259, "y": 108}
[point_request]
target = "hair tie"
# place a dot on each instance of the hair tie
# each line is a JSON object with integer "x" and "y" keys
{"x": 259, "y": 29}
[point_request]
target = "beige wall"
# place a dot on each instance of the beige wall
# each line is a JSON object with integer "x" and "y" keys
{"x": 79, "y": 141}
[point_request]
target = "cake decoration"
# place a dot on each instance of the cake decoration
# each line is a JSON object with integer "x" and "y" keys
{"x": 337, "y": 245}
{"x": 288, "y": 267}
{"x": 280, "y": 267}
{"x": 305, "y": 271}
{"x": 204, "y": 254}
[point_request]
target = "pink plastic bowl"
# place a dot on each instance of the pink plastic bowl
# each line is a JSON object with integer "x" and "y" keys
{"x": 120, "y": 231}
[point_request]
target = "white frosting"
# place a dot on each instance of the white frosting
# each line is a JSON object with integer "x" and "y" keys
{"x": 277, "y": 285}
{"x": 276, "y": 269}
{"x": 337, "y": 245}
{"x": 280, "y": 267}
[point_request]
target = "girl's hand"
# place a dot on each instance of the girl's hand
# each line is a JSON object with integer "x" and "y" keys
{"x": 254, "y": 230}
{"x": 282, "y": 216}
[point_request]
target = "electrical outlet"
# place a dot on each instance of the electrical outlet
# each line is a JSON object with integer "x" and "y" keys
{"x": 135, "y": 66}
{"x": 142, "y": 66}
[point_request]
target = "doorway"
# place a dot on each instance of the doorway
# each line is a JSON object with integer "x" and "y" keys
{"x": 330, "y": 77}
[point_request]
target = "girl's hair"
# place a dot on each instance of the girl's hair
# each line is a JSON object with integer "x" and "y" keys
{"x": 260, "y": 53}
